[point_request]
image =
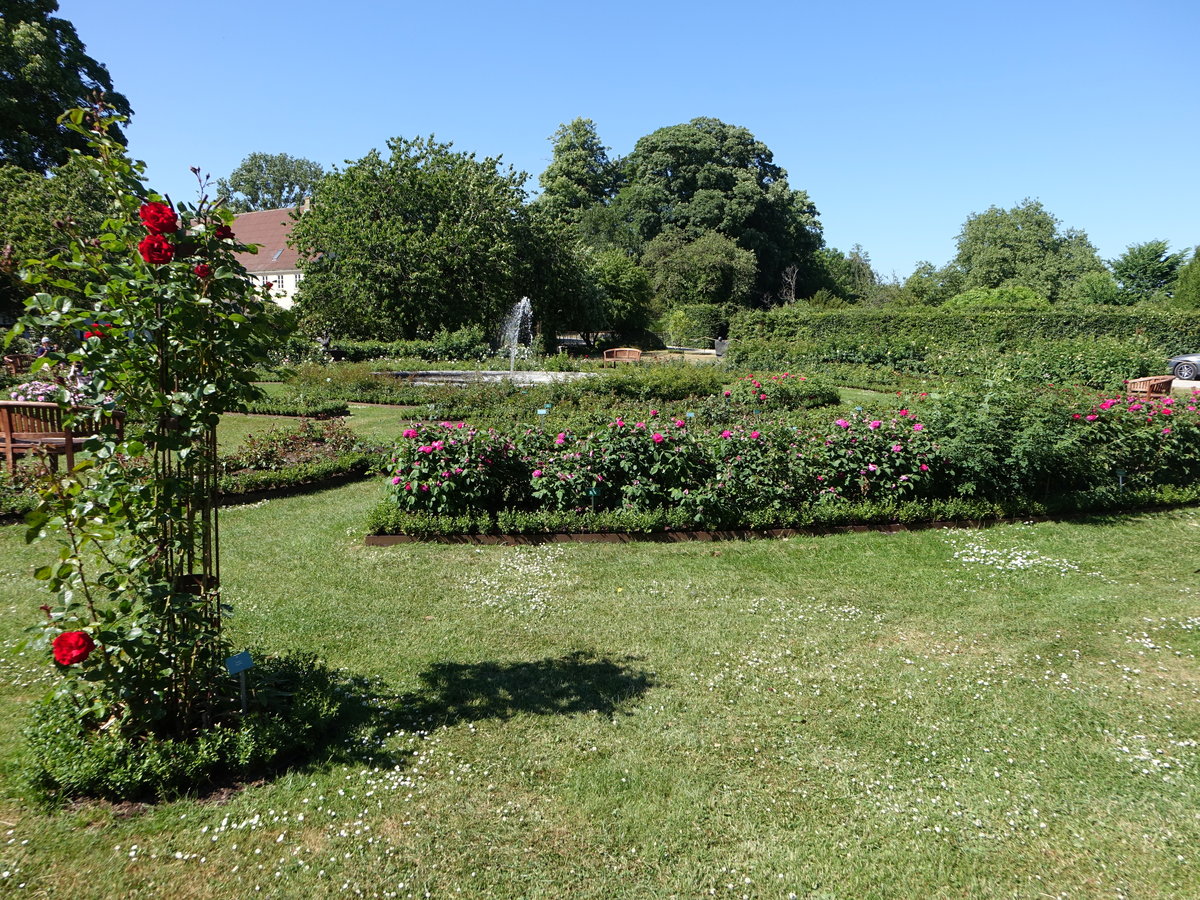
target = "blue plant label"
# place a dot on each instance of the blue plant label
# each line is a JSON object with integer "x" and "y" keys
{"x": 239, "y": 662}
{"x": 542, "y": 412}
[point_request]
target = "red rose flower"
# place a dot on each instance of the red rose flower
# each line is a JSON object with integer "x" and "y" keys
{"x": 268, "y": 285}
{"x": 71, "y": 647}
{"x": 202, "y": 270}
{"x": 223, "y": 233}
{"x": 156, "y": 249}
{"x": 158, "y": 218}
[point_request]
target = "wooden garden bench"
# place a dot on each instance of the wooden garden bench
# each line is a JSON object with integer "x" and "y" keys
{"x": 26, "y": 426}
{"x": 628, "y": 354}
{"x": 1150, "y": 386}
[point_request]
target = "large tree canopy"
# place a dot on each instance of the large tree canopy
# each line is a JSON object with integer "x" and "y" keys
{"x": 398, "y": 247}
{"x": 580, "y": 175}
{"x": 44, "y": 71}
{"x": 1024, "y": 246}
{"x": 1147, "y": 271}
{"x": 1187, "y": 285}
{"x": 34, "y": 209}
{"x": 269, "y": 181}
{"x": 707, "y": 176}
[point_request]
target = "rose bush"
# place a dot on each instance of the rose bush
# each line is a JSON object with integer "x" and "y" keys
{"x": 136, "y": 615}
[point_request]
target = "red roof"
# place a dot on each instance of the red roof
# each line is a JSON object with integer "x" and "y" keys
{"x": 270, "y": 229}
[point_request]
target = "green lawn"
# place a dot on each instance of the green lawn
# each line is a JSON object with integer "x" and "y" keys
{"x": 1007, "y": 713}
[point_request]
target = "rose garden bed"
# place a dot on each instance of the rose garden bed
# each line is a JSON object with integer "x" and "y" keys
{"x": 945, "y": 459}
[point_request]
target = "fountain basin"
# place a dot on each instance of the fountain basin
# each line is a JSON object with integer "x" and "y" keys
{"x": 484, "y": 376}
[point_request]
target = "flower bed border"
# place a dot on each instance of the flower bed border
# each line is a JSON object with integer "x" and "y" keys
{"x": 731, "y": 534}
{"x": 659, "y": 537}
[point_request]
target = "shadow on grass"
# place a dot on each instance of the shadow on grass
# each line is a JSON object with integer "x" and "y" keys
{"x": 579, "y": 682}
{"x": 359, "y": 718}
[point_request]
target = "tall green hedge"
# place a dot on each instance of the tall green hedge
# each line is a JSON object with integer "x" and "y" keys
{"x": 913, "y": 332}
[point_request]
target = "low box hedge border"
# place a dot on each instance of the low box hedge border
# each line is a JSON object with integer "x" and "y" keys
{"x": 305, "y": 409}
{"x": 249, "y": 487}
{"x": 245, "y": 487}
{"x": 389, "y": 525}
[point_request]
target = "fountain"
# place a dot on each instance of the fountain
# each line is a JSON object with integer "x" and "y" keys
{"x": 515, "y": 332}
{"x": 517, "y": 324}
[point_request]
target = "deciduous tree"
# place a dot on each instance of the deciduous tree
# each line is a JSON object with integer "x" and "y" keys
{"x": 1146, "y": 271}
{"x": 404, "y": 245}
{"x": 580, "y": 175}
{"x": 38, "y": 214}
{"x": 1023, "y": 246}
{"x": 45, "y": 70}
{"x": 1187, "y": 285}
{"x": 269, "y": 181}
{"x": 685, "y": 181}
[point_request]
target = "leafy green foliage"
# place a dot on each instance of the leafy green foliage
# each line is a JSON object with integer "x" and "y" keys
{"x": 302, "y": 442}
{"x": 404, "y": 246}
{"x": 45, "y": 70}
{"x": 270, "y": 181}
{"x": 894, "y": 336}
{"x": 1023, "y": 246}
{"x": 298, "y": 706}
{"x": 709, "y": 177}
{"x": 307, "y": 407}
{"x": 1187, "y": 285}
{"x": 782, "y": 390}
{"x": 1147, "y": 271}
{"x": 172, "y": 329}
{"x": 34, "y": 210}
{"x": 464, "y": 344}
{"x": 624, "y": 292}
{"x": 993, "y": 442}
{"x": 1010, "y": 297}
{"x": 711, "y": 269}
{"x": 580, "y": 173}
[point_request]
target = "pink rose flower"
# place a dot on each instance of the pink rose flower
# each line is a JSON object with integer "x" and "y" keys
{"x": 658, "y": 438}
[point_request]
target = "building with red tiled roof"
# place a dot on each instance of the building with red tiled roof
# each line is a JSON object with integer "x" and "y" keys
{"x": 275, "y": 262}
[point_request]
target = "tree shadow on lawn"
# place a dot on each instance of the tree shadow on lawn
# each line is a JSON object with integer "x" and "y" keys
{"x": 580, "y": 682}
{"x": 453, "y": 692}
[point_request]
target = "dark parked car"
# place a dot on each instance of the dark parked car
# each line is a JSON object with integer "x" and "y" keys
{"x": 1185, "y": 367}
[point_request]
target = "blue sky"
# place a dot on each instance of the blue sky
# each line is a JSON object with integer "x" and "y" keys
{"x": 898, "y": 119}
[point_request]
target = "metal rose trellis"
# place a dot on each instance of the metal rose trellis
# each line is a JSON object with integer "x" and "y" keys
{"x": 166, "y": 330}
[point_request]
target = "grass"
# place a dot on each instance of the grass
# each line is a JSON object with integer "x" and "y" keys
{"x": 1007, "y": 713}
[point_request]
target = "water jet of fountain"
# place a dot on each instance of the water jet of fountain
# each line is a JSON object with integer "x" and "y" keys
{"x": 517, "y": 324}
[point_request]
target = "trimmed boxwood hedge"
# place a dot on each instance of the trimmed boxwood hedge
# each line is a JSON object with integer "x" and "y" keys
{"x": 303, "y": 475}
{"x": 921, "y": 330}
{"x": 299, "y": 407}
{"x": 386, "y": 518}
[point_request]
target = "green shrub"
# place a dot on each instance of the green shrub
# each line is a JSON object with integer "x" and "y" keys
{"x": 901, "y": 332}
{"x": 782, "y": 391}
{"x": 300, "y": 474}
{"x": 298, "y": 709}
{"x": 695, "y": 324}
{"x": 298, "y": 405}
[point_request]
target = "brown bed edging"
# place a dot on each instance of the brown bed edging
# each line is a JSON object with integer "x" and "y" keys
{"x": 679, "y": 537}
